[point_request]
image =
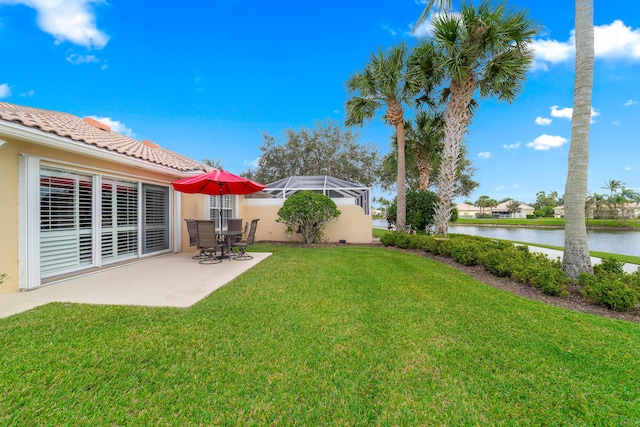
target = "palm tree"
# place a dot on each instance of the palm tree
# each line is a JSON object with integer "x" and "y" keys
{"x": 613, "y": 186}
{"x": 216, "y": 164}
{"x": 576, "y": 257}
{"x": 385, "y": 82}
{"x": 425, "y": 144}
{"x": 487, "y": 49}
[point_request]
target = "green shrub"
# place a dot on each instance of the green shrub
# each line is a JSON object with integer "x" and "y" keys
{"x": 307, "y": 213}
{"x": 388, "y": 239}
{"x": 609, "y": 266}
{"x": 421, "y": 242}
{"x": 403, "y": 240}
{"x": 543, "y": 275}
{"x": 466, "y": 252}
{"x": 611, "y": 292}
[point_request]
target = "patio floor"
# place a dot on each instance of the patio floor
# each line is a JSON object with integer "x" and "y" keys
{"x": 173, "y": 280}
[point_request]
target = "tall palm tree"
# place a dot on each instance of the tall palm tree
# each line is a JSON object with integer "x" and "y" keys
{"x": 576, "y": 257}
{"x": 485, "y": 49}
{"x": 385, "y": 82}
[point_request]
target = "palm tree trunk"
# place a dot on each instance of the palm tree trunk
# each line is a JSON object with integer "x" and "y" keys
{"x": 456, "y": 122}
{"x": 576, "y": 258}
{"x": 424, "y": 173}
{"x": 401, "y": 212}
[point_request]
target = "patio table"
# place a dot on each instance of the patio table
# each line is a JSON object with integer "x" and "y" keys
{"x": 228, "y": 234}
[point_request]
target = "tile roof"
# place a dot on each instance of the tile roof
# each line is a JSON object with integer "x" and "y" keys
{"x": 92, "y": 132}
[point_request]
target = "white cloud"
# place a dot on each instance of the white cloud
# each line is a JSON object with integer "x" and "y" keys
{"x": 546, "y": 142}
{"x": 616, "y": 123}
{"x": 564, "y": 113}
{"x": 28, "y": 93}
{"x": 389, "y": 30}
{"x": 616, "y": 41}
{"x": 630, "y": 102}
{"x": 543, "y": 121}
{"x": 627, "y": 168}
{"x": 252, "y": 164}
{"x": 484, "y": 154}
{"x": 567, "y": 113}
{"x": 551, "y": 51}
{"x": 511, "y": 146}
{"x": 68, "y": 20}
{"x": 115, "y": 125}
{"x": 76, "y": 59}
{"x": 612, "y": 41}
{"x": 5, "y": 91}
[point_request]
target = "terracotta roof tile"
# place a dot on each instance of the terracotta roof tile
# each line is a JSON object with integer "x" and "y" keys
{"x": 92, "y": 132}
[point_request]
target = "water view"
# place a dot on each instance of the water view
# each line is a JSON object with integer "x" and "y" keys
{"x": 612, "y": 241}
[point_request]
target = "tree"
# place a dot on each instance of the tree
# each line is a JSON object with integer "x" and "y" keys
{"x": 464, "y": 185}
{"x": 484, "y": 202}
{"x": 420, "y": 211}
{"x": 613, "y": 186}
{"x": 543, "y": 199}
{"x": 307, "y": 213}
{"x": 513, "y": 206}
{"x": 216, "y": 164}
{"x": 576, "y": 258}
{"x": 487, "y": 49}
{"x": 324, "y": 150}
{"x": 384, "y": 83}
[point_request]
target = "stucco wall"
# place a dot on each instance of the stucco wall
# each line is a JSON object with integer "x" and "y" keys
{"x": 352, "y": 225}
{"x": 9, "y": 217}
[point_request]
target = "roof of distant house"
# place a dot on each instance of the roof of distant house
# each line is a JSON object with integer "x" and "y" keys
{"x": 93, "y": 132}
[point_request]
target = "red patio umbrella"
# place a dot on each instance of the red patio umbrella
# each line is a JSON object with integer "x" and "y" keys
{"x": 217, "y": 183}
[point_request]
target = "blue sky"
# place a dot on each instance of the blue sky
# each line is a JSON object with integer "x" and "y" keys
{"x": 208, "y": 78}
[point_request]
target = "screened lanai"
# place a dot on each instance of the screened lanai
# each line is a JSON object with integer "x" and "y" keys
{"x": 329, "y": 186}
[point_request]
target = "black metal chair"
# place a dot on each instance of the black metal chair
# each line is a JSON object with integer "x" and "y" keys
{"x": 244, "y": 244}
{"x": 208, "y": 242}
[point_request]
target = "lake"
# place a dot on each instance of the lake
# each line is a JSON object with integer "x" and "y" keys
{"x": 613, "y": 241}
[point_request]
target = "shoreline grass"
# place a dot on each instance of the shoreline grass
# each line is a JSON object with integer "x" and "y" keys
{"x": 549, "y": 222}
{"x": 323, "y": 336}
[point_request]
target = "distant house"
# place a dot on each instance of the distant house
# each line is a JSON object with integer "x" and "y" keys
{"x": 466, "y": 210}
{"x": 502, "y": 210}
{"x": 78, "y": 197}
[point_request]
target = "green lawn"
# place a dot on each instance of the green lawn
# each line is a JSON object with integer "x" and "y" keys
{"x": 323, "y": 336}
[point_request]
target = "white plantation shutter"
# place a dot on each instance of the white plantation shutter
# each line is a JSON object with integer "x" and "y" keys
{"x": 66, "y": 237}
{"x": 155, "y": 214}
{"x": 119, "y": 232}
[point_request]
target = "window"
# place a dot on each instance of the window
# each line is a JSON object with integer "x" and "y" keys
{"x": 218, "y": 203}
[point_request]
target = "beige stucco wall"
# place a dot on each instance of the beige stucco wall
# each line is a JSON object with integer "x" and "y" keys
{"x": 9, "y": 217}
{"x": 192, "y": 206}
{"x": 352, "y": 225}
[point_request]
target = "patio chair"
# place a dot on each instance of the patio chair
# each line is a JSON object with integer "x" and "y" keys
{"x": 208, "y": 242}
{"x": 192, "y": 229}
{"x": 235, "y": 224}
{"x": 244, "y": 244}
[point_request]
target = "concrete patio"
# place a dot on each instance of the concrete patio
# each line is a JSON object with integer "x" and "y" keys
{"x": 173, "y": 280}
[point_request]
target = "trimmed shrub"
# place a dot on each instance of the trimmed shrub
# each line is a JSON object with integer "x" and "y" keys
{"x": 403, "y": 240}
{"x": 388, "y": 239}
{"x": 307, "y": 213}
{"x": 609, "y": 266}
{"x": 611, "y": 292}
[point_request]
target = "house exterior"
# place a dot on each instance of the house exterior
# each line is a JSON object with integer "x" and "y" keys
{"x": 78, "y": 197}
{"x": 466, "y": 210}
{"x": 502, "y": 210}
